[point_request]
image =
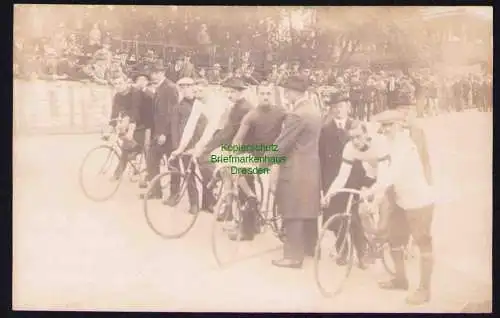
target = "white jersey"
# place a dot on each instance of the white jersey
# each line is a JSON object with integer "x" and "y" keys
{"x": 407, "y": 174}
{"x": 213, "y": 109}
{"x": 378, "y": 151}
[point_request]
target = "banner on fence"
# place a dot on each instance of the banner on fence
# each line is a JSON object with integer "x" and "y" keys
{"x": 60, "y": 106}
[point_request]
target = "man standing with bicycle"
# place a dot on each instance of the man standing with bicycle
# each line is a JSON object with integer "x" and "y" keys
{"x": 409, "y": 187}
{"x": 180, "y": 118}
{"x": 260, "y": 126}
{"x": 334, "y": 136}
{"x": 124, "y": 117}
{"x": 165, "y": 98}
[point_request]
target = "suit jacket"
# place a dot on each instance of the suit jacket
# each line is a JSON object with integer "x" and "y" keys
{"x": 165, "y": 98}
{"x": 331, "y": 146}
{"x": 298, "y": 186}
{"x": 187, "y": 70}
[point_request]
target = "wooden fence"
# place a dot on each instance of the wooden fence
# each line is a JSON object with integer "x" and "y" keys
{"x": 64, "y": 107}
{"x": 60, "y": 107}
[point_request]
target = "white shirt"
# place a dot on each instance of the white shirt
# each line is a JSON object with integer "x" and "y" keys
{"x": 341, "y": 123}
{"x": 378, "y": 151}
{"x": 213, "y": 109}
{"x": 375, "y": 161}
{"x": 406, "y": 173}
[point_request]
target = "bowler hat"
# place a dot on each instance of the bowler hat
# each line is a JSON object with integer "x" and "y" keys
{"x": 296, "y": 83}
{"x": 158, "y": 66}
{"x": 235, "y": 83}
{"x": 140, "y": 70}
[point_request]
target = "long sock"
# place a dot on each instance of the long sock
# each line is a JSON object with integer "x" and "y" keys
{"x": 426, "y": 269}
{"x": 399, "y": 264}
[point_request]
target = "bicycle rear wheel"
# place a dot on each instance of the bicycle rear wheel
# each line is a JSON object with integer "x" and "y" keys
{"x": 100, "y": 163}
{"x": 226, "y": 219}
{"x": 173, "y": 220}
{"x": 330, "y": 276}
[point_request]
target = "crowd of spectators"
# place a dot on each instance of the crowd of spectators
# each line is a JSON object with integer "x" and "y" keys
{"x": 99, "y": 58}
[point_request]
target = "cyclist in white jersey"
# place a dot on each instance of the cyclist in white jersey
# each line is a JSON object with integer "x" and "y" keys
{"x": 412, "y": 205}
{"x": 372, "y": 150}
{"x": 208, "y": 104}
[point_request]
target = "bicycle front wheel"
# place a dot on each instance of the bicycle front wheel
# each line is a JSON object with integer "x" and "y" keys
{"x": 96, "y": 174}
{"x": 333, "y": 258}
{"x": 170, "y": 215}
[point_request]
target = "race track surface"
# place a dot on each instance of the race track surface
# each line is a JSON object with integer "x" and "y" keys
{"x": 74, "y": 254}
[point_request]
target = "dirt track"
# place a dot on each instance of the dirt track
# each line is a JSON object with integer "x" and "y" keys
{"x": 70, "y": 253}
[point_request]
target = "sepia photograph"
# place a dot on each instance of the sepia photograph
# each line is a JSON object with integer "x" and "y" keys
{"x": 252, "y": 158}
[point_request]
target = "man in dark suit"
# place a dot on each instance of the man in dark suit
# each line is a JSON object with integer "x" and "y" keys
{"x": 334, "y": 136}
{"x": 298, "y": 186}
{"x": 143, "y": 97}
{"x": 165, "y": 98}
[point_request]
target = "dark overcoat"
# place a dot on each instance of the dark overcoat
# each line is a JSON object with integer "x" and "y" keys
{"x": 164, "y": 100}
{"x": 298, "y": 186}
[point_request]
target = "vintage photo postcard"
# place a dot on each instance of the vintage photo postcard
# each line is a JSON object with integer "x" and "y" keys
{"x": 252, "y": 159}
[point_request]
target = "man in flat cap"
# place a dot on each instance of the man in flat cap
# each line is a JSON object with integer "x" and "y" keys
{"x": 180, "y": 115}
{"x": 229, "y": 124}
{"x": 333, "y": 138}
{"x": 298, "y": 186}
{"x": 412, "y": 205}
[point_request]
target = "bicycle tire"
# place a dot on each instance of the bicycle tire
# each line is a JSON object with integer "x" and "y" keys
{"x": 113, "y": 153}
{"x": 318, "y": 251}
{"x": 182, "y": 191}
{"x": 219, "y": 223}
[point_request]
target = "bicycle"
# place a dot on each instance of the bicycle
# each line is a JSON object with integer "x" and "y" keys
{"x": 227, "y": 217}
{"x": 342, "y": 222}
{"x": 155, "y": 211}
{"x": 111, "y": 152}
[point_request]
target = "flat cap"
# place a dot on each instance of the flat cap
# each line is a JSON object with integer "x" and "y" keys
{"x": 235, "y": 83}
{"x": 296, "y": 83}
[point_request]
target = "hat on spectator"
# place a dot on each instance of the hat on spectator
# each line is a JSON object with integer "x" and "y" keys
{"x": 296, "y": 83}
{"x": 404, "y": 96}
{"x": 141, "y": 70}
{"x": 158, "y": 66}
{"x": 185, "y": 81}
{"x": 235, "y": 83}
{"x": 336, "y": 97}
{"x": 216, "y": 65}
{"x": 390, "y": 116}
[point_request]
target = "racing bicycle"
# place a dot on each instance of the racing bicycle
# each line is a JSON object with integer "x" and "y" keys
{"x": 329, "y": 275}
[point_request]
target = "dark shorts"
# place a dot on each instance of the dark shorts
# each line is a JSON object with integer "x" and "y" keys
{"x": 414, "y": 222}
